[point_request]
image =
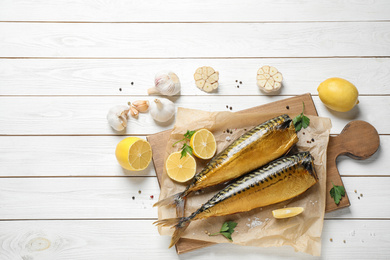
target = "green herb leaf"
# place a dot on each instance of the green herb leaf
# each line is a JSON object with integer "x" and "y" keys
{"x": 189, "y": 134}
{"x": 227, "y": 230}
{"x": 336, "y": 193}
{"x": 185, "y": 149}
{"x": 227, "y": 235}
{"x": 225, "y": 227}
{"x": 305, "y": 121}
{"x": 301, "y": 120}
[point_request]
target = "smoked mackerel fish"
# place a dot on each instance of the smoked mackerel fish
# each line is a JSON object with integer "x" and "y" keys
{"x": 260, "y": 145}
{"x": 280, "y": 180}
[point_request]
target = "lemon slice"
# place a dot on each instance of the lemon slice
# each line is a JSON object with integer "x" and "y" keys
{"x": 203, "y": 144}
{"x": 287, "y": 212}
{"x": 133, "y": 153}
{"x": 180, "y": 169}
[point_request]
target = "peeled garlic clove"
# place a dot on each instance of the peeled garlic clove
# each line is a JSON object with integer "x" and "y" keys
{"x": 134, "y": 112}
{"x": 141, "y": 105}
{"x": 162, "y": 109}
{"x": 269, "y": 79}
{"x": 165, "y": 83}
{"x": 117, "y": 117}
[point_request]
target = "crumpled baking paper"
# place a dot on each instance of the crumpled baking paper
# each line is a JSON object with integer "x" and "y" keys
{"x": 256, "y": 227}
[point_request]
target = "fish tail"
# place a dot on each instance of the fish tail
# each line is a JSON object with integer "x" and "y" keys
{"x": 180, "y": 225}
{"x": 178, "y": 200}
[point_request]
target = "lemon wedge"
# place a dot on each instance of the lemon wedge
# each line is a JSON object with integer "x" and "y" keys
{"x": 133, "y": 153}
{"x": 180, "y": 169}
{"x": 287, "y": 212}
{"x": 203, "y": 144}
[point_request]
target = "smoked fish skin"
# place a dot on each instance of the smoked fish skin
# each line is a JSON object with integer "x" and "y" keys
{"x": 280, "y": 180}
{"x": 258, "y": 146}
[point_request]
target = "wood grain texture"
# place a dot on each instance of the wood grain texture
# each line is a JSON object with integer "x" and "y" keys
{"x": 63, "y": 156}
{"x": 358, "y": 140}
{"x": 87, "y": 115}
{"x": 94, "y": 156}
{"x": 111, "y": 197}
{"x": 192, "y": 11}
{"x": 174, "y": 40}
{"x": 89, "y": 239}
{"x": 107, "y": 76}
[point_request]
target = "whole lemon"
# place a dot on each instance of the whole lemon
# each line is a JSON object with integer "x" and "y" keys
{"x": 338, "y": 94}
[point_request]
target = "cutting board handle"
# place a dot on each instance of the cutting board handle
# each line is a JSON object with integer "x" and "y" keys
{"x": 358, "y": 140}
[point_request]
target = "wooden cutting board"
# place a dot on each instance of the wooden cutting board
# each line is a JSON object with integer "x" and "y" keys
{"x": 349, "y": 142}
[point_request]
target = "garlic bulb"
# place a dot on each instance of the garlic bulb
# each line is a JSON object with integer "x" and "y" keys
{"x": 141, "y": 105}
{"x": 117, "y": 117}
{"x": 162, "y": 109}
{"x": 166, "y": 83}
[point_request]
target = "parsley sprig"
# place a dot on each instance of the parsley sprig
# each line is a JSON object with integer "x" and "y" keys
{"x": 336, "y": 193}
{"x": 185, "y": 148}
{"x": 301, "y": 120}
{"x": 227, "y": 230}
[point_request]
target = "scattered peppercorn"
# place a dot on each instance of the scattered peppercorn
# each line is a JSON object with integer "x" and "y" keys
{"x": 120, "y": 89}
{"x": 238, "y": 86}
{"x": 133, "y": 198}
{"x": 287, "y": 107}
{"x": 359, "y": 198}
{"x": 151, "y": 196}
{"x": 244, "y": 129}
{"x": 227, "y": 106}
{"x": 303, "y": 133}
{"x": 308, "y": 142}
{"x": 240, "y": 82}
{"x": 344, "y": 241}
{"x": 355, "y": 191}
{"x": 236, "y": 80}
{"x": 132, "y": 83}
{"x": 331, "y": 240}
{"x": 361, "y": 194}
{"x": 139, "y": 192}
{"x": 312, "y": 139}
{"x": 230, "y": 108}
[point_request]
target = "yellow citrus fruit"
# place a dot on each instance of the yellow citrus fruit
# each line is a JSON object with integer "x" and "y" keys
{"x": 287, "y": 212}
{"x": 133, "y": 153}
{"x": 180, "y": 169}
{"x": 203, "y": 144}
{"x": 338, "y": 94}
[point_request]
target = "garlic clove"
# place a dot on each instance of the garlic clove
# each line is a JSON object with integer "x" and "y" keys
{"x": 117, "y": 117}
{"x": 133, "y": 112}
{"x": 141, "y": 105}
{"x": 162, "y": 109}
{"x": 166, "y": 83}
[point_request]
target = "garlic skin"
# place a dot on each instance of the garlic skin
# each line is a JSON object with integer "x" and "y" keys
{"x": 165, "y": 83}
{"x": 162, "y": 109}
{"x": 141, "y": 105}
{"x": 117, "y": 117}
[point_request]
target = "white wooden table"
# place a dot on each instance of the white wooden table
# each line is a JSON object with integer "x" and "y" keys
{"x": 63, "y": 63}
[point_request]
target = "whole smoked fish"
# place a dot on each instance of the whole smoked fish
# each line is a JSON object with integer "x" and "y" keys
{"x": 258, "y": 146}
{"x": 275, "y": 182}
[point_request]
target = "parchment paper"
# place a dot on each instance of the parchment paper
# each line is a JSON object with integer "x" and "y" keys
{"x": 256, "y": 227}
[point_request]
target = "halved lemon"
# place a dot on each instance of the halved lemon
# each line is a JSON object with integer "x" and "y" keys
{"x": 203, "y": 144}
{"x": 287, "y": 212}
{"x": 133, "y": 153}
{"x": 180, "y": 169}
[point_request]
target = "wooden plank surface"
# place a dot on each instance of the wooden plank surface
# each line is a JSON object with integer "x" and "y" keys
{"x": 87, "y": 115}
{"x": 107, "y": 76}
{"x": 111, "y": 198}
{"x": 201, "y": 10}
{"x": 52, "y": 125}
{"x": 94, "y": 156}
{"x": 105, "y": 239}
{"x": 160, "y": 40}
